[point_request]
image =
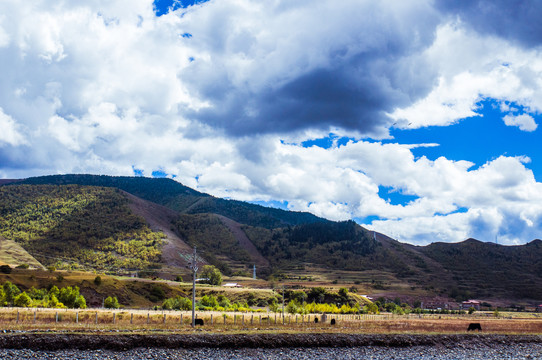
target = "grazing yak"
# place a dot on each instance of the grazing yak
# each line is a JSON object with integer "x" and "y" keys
{"x": 199, "y": 322}
{"x": 474, "y": 326}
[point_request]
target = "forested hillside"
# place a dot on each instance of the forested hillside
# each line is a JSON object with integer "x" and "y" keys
{"x": 80, "y": 226}
{"x": 178, "y": 197}
{"x": 488, "y": 269}
{"x": 344, "y": 245}
{"x": 77, "y": 227}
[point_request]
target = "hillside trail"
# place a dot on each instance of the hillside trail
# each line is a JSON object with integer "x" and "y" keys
{"x": 244, "y": 241}
{"x": 161, "y": 218}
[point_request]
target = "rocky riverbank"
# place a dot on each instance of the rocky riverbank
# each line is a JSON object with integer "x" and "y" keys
{"x": 125, "y": 342}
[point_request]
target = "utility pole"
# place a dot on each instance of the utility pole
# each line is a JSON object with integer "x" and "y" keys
{"x": 194, "y": 267}
{"x": 283, "y": 302}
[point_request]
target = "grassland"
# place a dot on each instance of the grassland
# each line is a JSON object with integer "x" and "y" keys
{"x": 13, "y": 254}
{"x": 128, "y": 320}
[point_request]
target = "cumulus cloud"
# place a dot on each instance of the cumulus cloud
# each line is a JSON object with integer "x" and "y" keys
{"x": 512, "y": 20}
{"x": 10, "y": 131}
{"x": 222, "y": 95}
{"x": 281, "y": 68}
{"x": 523, "y": 121}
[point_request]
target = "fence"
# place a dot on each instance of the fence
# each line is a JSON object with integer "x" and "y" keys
{"x": 126, "y": 319}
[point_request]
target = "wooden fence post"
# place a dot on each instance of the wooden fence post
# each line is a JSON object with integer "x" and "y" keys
{"x": 148, "y": 317}
{"x": 17, "y": 316}
{"x": 77, "y": 317}
{"x": 56, "y": 316}
{"x": 35, "y": 315}
{"x": 114, "y": 317}
{"x": 96, "y": 317}
{"x": 211, "y": 319}
{"x": 164, "y": 318}
{"x": 131, "y": 318}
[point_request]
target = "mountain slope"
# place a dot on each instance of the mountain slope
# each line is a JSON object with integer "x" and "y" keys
{"x": 489, "y": 270}
{"x": 181, "y": 198}
{"x": 78, "y": 227}
{"x": 115, "y": 230}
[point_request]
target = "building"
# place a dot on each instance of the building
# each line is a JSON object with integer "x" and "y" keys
{"x": 465, "y": 305}
{"x": 236, "y": 285}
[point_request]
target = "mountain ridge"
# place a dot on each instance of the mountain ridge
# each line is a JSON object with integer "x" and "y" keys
{"x": 458, "y": 270}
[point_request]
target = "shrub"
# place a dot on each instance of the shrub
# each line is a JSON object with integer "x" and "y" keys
{"x": 157, "y": 294}
{"x": 22, "y": 300}
{"x": 5, "y": 269}
{"x": 212, "y": 274}
{"x": 98, "y": 280}
{"x": 23, "y": 266}
{"x": 111, "y": 302}
{"x": 10, "y": 292}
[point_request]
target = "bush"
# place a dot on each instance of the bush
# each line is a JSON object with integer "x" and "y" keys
{"x": 5, "y": 269}
{"x": 22, "y": 300}
{"x": 177, "y": 303}
{"x": 212, "y": 274}
{"x": 111, "y": 302}
{"x": 10, "y": 292}
{"x": 156, "y": 294}
{"x": 98, "y": 280}
{"x": 179, "y": 278}
{"x": 23, "y": 266}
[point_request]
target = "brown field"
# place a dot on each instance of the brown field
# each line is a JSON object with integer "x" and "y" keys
{"x": 172, "y": 321}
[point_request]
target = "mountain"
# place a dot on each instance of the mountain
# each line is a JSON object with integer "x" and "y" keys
{"x": 149, "y": 226}
{"x": 183, "y": 199}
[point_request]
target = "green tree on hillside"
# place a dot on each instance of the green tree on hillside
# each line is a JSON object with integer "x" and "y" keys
{"x": 22, "y": 300}
{"x": 111, "y": 302}
{"x": 212, "y": 275}
{"x": 10, "y": 292}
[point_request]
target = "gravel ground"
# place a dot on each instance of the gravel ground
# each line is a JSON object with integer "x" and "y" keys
{"x": 500, "y": 352}
{"x": 269, "y": 346}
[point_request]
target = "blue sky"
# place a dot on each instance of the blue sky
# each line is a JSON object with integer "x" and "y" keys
{"x": 417, "y": 119}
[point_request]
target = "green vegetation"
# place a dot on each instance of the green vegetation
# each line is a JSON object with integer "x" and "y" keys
{"x": 178, "y": 197}
{"x": 177, "y": 303}
{"x": 111, "y": 302}
{"x": 212, "y": 275}
{"x": 66, "y": 297}
{"x": 343, "y": 245}
{"x": 78, "y": 227}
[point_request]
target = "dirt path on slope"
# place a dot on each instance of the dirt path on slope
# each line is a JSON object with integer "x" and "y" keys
{"x": 244, "y": 241}
{"x": 161, "y": 218}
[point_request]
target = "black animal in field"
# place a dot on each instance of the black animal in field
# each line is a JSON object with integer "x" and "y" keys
{"x": 332, "y": 321}
{"x": 474, "y": 326}
{"x": 199, "y": 322}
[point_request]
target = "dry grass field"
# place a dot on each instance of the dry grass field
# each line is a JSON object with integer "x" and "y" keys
{"x": 216, "y": 322}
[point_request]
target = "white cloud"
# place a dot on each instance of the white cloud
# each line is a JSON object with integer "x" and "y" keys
{"x": 471, "y": 68}
{"x": 524, "y": 122}
{"x": 10, "y": 131}
{"x": 101, "y": 87}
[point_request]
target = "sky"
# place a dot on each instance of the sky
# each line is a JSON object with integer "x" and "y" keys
{"x": 418, "y": 118}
